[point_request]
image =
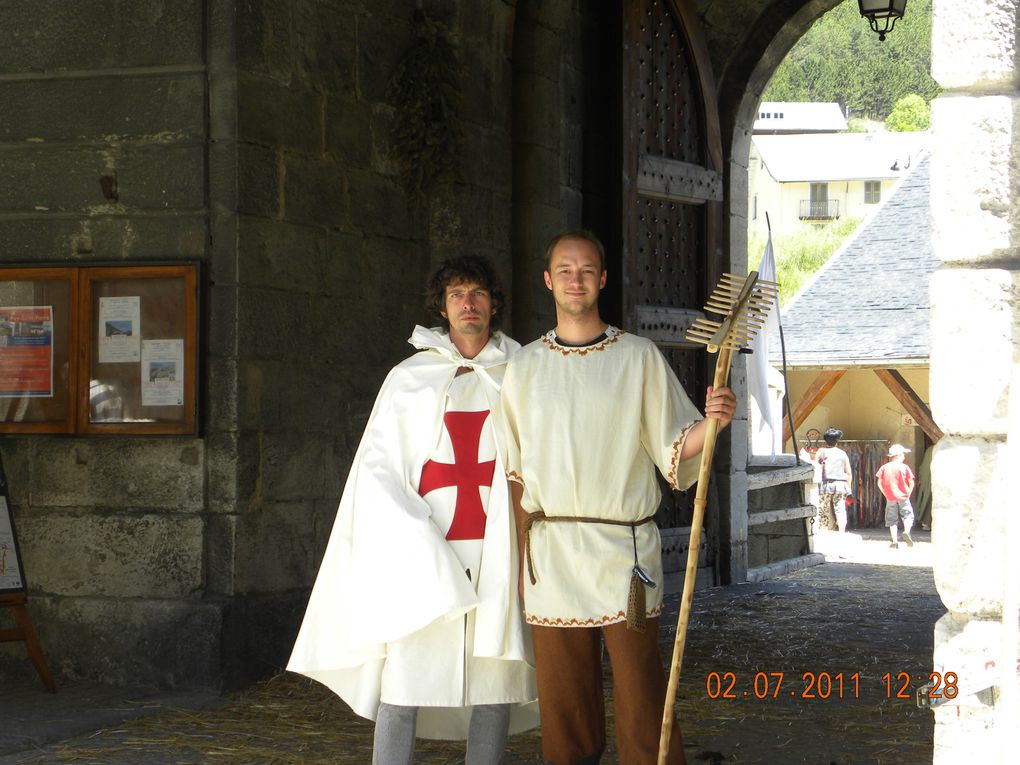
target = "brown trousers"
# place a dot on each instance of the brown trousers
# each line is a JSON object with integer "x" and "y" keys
{"x": 568, "y": 663}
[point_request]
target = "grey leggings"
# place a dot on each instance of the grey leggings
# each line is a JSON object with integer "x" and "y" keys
{"x": 394, "y": 734}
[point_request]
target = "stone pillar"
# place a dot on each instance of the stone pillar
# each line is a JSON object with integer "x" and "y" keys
{"x": 974, "y": 329}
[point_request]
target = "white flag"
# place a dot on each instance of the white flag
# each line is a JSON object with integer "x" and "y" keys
{"x": 758, "y": 364}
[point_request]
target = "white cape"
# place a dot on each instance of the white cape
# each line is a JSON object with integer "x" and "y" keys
{"x": 388, "y": 571}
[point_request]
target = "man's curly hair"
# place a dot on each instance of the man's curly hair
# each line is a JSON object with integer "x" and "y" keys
{"x": 458, "y": 270}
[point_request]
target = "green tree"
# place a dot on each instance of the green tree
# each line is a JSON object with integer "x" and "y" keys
{"x": 909, "y": 114}
{"x": 840, "y": 59}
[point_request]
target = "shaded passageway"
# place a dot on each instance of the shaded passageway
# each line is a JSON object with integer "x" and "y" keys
{"x": 858, "y": 620}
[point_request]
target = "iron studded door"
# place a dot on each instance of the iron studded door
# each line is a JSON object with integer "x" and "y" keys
{"x": 672, "y": 189}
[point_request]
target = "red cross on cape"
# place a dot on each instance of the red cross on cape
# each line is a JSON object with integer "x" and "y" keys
{"x": 466, "y": 473}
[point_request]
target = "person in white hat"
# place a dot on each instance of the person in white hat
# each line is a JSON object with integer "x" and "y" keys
{"x": 896, "y": 481}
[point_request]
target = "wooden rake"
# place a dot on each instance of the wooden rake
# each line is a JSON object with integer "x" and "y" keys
{"x": 744, "y": 305}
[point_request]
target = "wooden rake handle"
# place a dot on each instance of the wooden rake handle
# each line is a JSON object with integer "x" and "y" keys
{"x": 722, "y": 373}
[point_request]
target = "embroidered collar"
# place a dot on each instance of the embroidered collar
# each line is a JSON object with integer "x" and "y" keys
{"x": 607, "y": 338}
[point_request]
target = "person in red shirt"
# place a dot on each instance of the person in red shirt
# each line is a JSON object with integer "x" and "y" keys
{"x": 896, "y": 480}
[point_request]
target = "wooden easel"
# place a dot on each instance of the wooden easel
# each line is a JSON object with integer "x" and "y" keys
{"x": 25, "y": 632}
{"x": 14, "y": 597}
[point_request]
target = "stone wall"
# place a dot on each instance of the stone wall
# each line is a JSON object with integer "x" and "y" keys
{"x": 329, "y": 270}
{"x": 253, "y": 137}
{"x": 111, "y": 529}
{"x": 974, "y": 330}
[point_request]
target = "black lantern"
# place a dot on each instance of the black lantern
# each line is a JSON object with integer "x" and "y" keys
{"x": 882, "y": 14}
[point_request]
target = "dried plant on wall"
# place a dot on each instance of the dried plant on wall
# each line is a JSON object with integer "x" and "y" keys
{"x": 426, "y": 91}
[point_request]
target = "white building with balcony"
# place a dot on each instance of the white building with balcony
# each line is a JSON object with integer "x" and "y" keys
{"x": 809, "y": 179}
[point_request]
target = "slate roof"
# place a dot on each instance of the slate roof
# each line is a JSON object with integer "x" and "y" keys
{"x": 838, "y": 156}
{"x": 868, "y": 305}
{"x": 799, "y": 117}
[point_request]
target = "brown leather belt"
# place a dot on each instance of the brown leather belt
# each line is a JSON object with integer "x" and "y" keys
{"x": 532, "y": 518}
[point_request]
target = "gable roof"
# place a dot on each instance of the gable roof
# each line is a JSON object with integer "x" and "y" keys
{"x": 822, "y": 157}
{"x": 799, "y": 117}
{"x": 868, "y": 305}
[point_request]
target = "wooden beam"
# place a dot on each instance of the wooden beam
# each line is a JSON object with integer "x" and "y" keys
{"x": 818, "y": 389}
{"x": 785, "y": 514}
{"x": 910, "y": 401}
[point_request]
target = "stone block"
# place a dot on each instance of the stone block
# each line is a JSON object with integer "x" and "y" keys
{"x": 50, "y": 35}
{"x": 366, "y": 267}
{"x": 326, "y": 46}
{"x": 973, "y": 726}
{"x": 757, "y": 550}
{"x": 119, "y": 556}
{"x": 538, "y": 49}
{"x": 539, "y": 122}
{"x": 382, "y": 45}
{"x": 280, "y": 116}
{"x": 974, "y": 44}
{"x": 162, "y": 110}
{"x": 379, "y": 205}
{"x": 538, "y": 176}
{"x": 16, "y": 453}
{"x": 460, "y": 219}
{"x": 259, "y": 187}
{"x": 264, "y": 39}
{"x": 142, "y": 473}
{"x": 481, "y": 82}
{"x": 220, "y": 411}
{"x": 316, "y": 192}
{"x": 502, "y": 222}
{"x": 283, "y": 529}
{"x": 572, "y": 157}
{"x": 161, "y": 177}
{"x": 974, "y": 171}
{"x": 351, "y": 132}
{"x": 221, "y": 327}
{"x": 271, "y": 323}
{"x": 279, "y": 255}
{"x": 223, "y": 469}
{"x": 45, "y": 179}
{"x": 292, "y": 466}
{"x": 258, "y": 634}
{"x": 974, "y": 323}
{"x": 572, "y": 205}
{"x": 487, "y": 160}
{"x": 162, "y": 643}
{"x": 384, "y": 161}
{"x": 970, "y": 479}
{"x": 488, "y": 24}
{"x": 221, "y": 538}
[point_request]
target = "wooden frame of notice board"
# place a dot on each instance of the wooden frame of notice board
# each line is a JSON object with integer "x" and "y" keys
{"x": 99, "y": 349}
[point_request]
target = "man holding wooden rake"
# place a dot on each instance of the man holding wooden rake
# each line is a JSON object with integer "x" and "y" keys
{"x": 591, "y": 412}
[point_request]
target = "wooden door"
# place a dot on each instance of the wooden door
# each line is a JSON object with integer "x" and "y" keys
{"x": 672, "y": 189}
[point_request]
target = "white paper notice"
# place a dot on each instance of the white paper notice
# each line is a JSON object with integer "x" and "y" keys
{"x": 10, "y": 570}
{"x": 163, "y": 373}
{"x": 120, "y": 329}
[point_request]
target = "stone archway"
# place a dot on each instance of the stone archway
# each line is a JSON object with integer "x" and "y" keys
{"x": 974, "y": 331}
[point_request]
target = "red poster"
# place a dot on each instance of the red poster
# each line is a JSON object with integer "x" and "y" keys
{"x": 26, "y": 351}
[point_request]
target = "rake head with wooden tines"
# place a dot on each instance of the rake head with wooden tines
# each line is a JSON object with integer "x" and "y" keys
{"x": 744, "y": 305}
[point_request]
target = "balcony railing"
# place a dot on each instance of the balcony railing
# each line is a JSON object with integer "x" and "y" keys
{"x": 819, "y": 210}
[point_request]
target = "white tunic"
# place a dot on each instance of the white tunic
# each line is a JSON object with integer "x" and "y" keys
{"x": 586, "y": 428}
{"x": 398, "y": 612}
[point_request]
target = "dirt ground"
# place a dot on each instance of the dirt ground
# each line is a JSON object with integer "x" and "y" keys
{"x": 805, "y": 668}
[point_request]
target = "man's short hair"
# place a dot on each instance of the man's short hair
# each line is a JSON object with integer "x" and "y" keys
{"x": 832, "y": 436}
{"x": 459, "y": 270}
{"x": 582, "y": 234}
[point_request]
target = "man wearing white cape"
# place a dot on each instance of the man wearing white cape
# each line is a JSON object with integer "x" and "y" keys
{"x": 414, "y": 618}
